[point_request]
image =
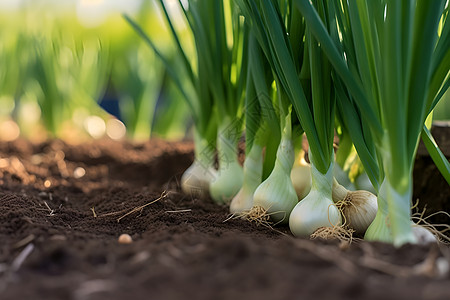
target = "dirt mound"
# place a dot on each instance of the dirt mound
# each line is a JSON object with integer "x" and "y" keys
{"x": 63, "y": 207}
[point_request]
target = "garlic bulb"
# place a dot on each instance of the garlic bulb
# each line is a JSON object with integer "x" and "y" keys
{"x": 196, "y": 179}
{"x": 423, "y": 235}
{"x": 253, "y": 167}
{"x": 317, "y": 208}
{"x": 359, "y": 208}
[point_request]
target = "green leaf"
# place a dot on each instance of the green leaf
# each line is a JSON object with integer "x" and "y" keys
{"x": 176, "y": 77}
{"x": 318, "y": 29}
{"x": 436, "y": 154}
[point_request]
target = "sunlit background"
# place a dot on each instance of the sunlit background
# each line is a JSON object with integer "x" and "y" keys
{"x": 74, "y": 69}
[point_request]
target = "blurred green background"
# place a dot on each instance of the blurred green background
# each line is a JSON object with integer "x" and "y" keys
{"x": 74, "y": 69}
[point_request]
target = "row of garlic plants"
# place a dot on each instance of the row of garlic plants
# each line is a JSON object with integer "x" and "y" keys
{"x": 279, "y": 70}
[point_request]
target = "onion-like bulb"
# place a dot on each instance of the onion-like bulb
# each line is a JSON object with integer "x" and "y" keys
{"x": 301, "y": 177}
{"x": 317, "y": 209}
{"x": 275, "y": 196}
{"x": 253, "y": 167}
{"x": 423, "y": 235}
{"x": 230, "y": 175}
{"x": 359, "y": 208}
{"x": 196, "y": 179}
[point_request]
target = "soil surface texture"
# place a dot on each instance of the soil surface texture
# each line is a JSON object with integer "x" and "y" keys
{"x": 63, "y": 208}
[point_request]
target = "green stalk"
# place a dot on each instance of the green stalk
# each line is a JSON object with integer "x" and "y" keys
{"x": 436, "y": 154}
{"x": 230, "y": 175}
{"x": 253, "y": 169}
{"x": 276, "y": 196}
{"x": 380, "y": 230}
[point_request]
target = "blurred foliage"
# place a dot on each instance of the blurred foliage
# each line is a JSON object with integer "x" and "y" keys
{"x": 59, "y": 58}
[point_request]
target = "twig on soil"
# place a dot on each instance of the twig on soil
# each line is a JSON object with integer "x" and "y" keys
{"x": 263, "y": 219}
{"x": 93, "y": 212}
{"x": 51, "y": 211}
{"x": 115, "y": 213}
{"x": 179, "y": 211}
{"x": 126, "y": 210}
{"x": 140, "y": 208}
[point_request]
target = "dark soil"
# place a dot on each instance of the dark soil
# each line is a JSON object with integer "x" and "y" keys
{"x": 59, "y": 235}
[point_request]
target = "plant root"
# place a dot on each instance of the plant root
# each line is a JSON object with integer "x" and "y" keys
{"x": 341, "y": 233}
{"x": 257, "y": 215}
{"x": 127, "y": 211}
{"x": 421, "y": 220}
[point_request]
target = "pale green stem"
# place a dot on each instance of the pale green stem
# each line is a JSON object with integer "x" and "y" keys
{"x": 203, "y": 150}
{"x": 227, "y": 151}
{"x": 399, "y": 207}
{"x": 321, "y": 182}
{"x": 380, "y": 229}
{"x": 253, "y": 167}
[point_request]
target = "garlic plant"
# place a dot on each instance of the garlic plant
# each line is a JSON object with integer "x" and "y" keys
{"x": 276, "y": 196}
{"x": 285, "y": 40}
{"x": 393, "y": 68}
{"x": 317, "y": 208}
{"x": 224, "y": 50}
{"x": 214, "y": 87}
{"x": 189, "y": 77}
